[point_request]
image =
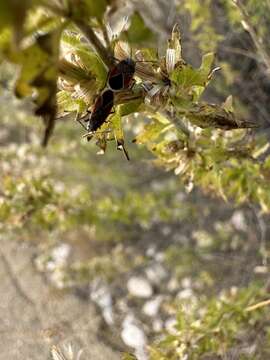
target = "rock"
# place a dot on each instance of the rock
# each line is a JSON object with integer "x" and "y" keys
{"x": 139, "y": 287}
{"x": 166, "y": 230}
{"x": 101, "y": 295}
{"x": 238, "y": 220}
{"x": 151, "y": 307}
{"x": 157, "y": 325}
{"x": 134, "y": 336}
{"x": 151, "y": 251}
{"x": 60, "y": 254}
{"x": 156, "y": 273}
{"x": 58, "y": 257}
{"x": 173, "y": 284}
{"x": 170, "y": 325}
{"x": 185, "y": 294}
{"x": 160, "y": 256}
{"x": 186, "y": 283}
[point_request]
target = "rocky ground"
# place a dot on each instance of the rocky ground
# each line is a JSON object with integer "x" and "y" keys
{"x": 34, "y": 318}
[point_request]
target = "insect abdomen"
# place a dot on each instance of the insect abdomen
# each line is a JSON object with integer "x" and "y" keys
{"x": 101, "y": 110}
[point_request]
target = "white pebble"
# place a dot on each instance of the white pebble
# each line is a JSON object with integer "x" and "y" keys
{"x": 151, "y": 307}
{"x": 131, "y": 334}
{"x": 185, "y": 294}
{"x": 139, "y": 287}
{"x": 238, "y": 220}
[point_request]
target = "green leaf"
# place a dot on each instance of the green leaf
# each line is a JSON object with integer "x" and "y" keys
{"x": 117, "y": 125}
{"x": 206, "y": 66}
{"x": 116, "y": 121}
{"x": 66, "y": 103}
{"x": 5, "y": 40}
{"x": 13, "y": 13}
{"x": 130, "y": 107}
{"x": 74, "y": 74}
{"x": 33, "y": 61}
{"x": 38, "y": 75}
{"x": 73, "y": 40}
{"x": 194, "y": 80}
{"x": 129, "y": 357}
{"x": 92, "y": 63}
{"x": 38, "y": 21}
{"x": 151, "y": 132}
{"x": 186, "y": 76}
{"x": 228, "y": 104}
{"x": 207, "y": 115}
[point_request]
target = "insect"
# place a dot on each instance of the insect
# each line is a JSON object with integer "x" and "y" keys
{"x": 101, "y": 110}
{"x": 121, "y": 75}
{"x": 98, "y": 116}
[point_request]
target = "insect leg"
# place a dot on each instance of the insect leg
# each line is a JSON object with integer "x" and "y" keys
{"x": 121, "y": 147}
{"x": 126, "y": 153}
{"x": 91, "y": 133}
{"x": 81, "y": 120}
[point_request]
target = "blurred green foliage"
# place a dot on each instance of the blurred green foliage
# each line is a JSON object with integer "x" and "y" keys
{"x": 211, "y": 327}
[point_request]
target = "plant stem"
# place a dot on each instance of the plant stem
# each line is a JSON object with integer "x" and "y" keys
{"x": 105, "y": 54}
{"x": 178, "y": 123}
{"x": 92, "y": 38}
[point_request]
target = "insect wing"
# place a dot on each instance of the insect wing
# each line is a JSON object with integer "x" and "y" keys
{"x": 121, "y": 75}
{"x": 98, "y": 103}
{"x": 116, "y": 79}
{"x": 102, "y": 109}
{"x": 107, "y": 99}
{"x": 127, "y": 80}
{"x": 128, "y": 70}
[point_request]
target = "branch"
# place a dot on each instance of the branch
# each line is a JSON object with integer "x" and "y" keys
{"x": 104, "y": 53}
{"x": 258, "y": 305}
{"x": 257, "y": 40}
{"x": 49, "y": 127}
{"x": 178, "y": 123}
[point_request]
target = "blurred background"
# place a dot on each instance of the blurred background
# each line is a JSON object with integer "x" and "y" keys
{"x": 110, "y": 257}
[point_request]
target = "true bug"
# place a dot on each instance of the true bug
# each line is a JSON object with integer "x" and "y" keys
{"x": 121, "y": 75}
{"x": 100, "y": 111}
{"x": 97, "y": 117}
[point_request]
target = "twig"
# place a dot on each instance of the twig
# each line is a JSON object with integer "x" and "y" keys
{"x": 49, "y": 127}
{"x": 257, "y": 40}
{"x": 93, "y": 40}
{"x": 54, "y": 9}
{"x": 258, "y": 305}
{"x": 179, "y": 123}
{"x": 239, "y": 51}
{"x": 105, "y": 34}
{"x": 105, "y": 54}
